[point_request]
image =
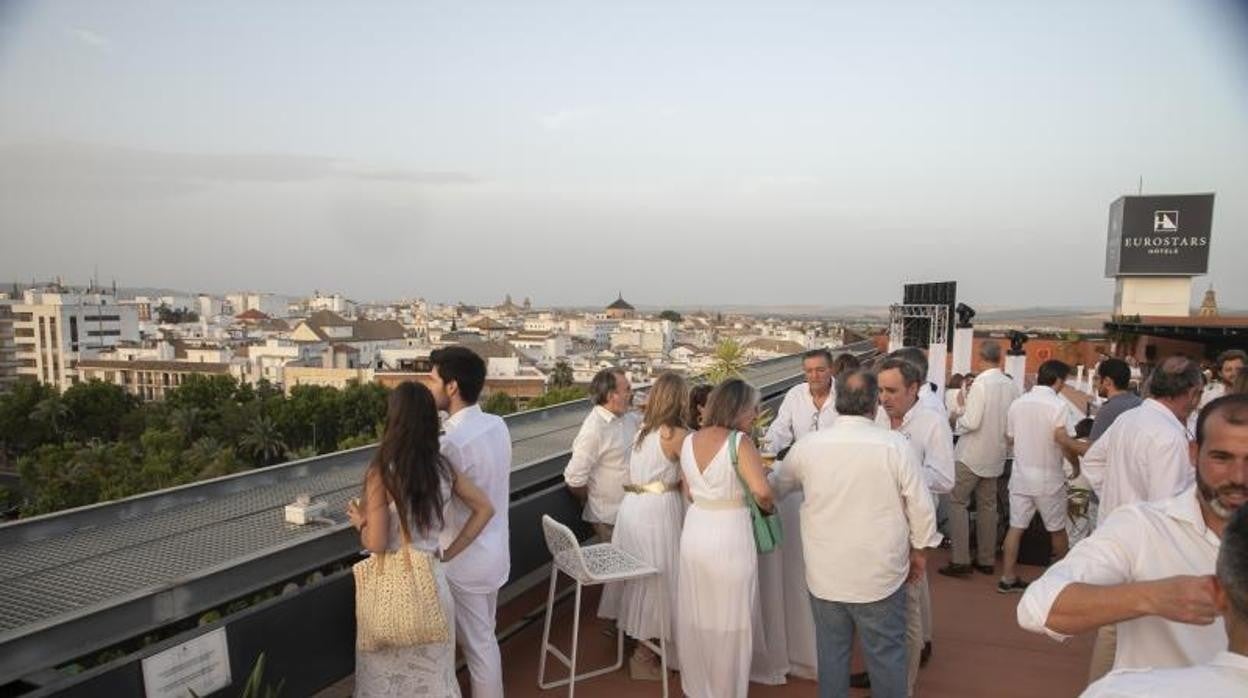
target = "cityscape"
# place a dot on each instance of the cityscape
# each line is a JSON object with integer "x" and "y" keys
{"x": 892, "y": 350}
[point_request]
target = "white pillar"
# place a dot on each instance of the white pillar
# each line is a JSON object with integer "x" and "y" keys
{"x": 937, "y": 364}
{"x": 963, "y": 340}
{"x": 1016, "y": 366}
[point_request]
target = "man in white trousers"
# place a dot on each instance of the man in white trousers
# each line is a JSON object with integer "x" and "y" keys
{"x": 478, "y": 446}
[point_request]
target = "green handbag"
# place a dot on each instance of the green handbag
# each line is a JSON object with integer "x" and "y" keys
{"x": 768, "y": 535}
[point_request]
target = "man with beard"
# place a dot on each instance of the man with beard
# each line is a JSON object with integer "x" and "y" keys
{"x": 1148, "y": 567}
{"x": 478, "y": 445}
{"x": 1224, "y": 676}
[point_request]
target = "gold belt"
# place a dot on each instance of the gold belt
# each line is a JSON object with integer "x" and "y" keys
{"x": 656, "y": 487}
{"x": 719, "y": 503}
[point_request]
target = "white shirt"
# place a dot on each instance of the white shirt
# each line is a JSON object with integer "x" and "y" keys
{"x": 478, "y": 446}
{"x": 927, "y": 431}
{"x": 928, "y": 396}
{"x": 1225, "y": 676}
{"x": 951, "y": 402}
{"x": 982, "y": 446}
{"x": 1038, "y": 460}
{"x": 600, "y": 461}
{"x": 1212, "y": 392}
{"x": 1139, "y": 542}
{"x": 1142, "y": 457}
{"x": 798, "y": 417}
{"x": 865, "y": 502}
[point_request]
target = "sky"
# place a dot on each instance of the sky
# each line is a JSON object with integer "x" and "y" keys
{"x": 684, "y": 154}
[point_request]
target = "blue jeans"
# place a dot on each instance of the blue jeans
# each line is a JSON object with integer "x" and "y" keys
{"x": 881, "y": 627}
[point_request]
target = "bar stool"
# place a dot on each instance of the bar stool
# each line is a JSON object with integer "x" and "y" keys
{"x": 589, "y": 565}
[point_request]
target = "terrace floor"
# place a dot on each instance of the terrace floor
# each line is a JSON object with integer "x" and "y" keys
{"x": 978, "y": 649}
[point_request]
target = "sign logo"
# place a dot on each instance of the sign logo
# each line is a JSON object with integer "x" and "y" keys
{"x": 1165, "y": 221}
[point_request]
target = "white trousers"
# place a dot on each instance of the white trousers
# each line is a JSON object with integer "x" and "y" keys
{"x": 474, "y": 628}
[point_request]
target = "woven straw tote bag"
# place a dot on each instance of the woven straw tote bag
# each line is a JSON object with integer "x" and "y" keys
{"x": 396, "y": 600}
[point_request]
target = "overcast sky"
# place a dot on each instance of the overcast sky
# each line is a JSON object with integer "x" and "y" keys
{"x": 684, "y": 153}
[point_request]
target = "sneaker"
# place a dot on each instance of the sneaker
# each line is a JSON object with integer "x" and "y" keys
{"x": 926, "y": 655}
{"x": 985, "y": 569}
{"x": 1017, "y": 586}
{"x": 860, "y": 680}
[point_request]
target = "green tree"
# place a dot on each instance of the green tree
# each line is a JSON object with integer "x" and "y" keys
{"x": 358, "y": 440}
{"x": 20, "y": 432}
{"x": 51, "y": 483}
{"x": 561, "y": 376}
{"x": 362, "y": 407}
{"x": 310, "y": 416}
{"x": 728, "y": 362}
{"x": 500, "y": 403}
{"x": 53, "y": 413}
{"x": 263, "y": 441}
{"x": 205, "y": 392}
{"x": 557, "y": 396}
{"x": 209, "y": 458}
{"x": 97, "y": 410}
{"x": 670, "y": 315}
{"x": 186, "y": 419}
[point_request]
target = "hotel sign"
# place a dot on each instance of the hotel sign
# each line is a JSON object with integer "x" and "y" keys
{"x": 1159, "y": 235}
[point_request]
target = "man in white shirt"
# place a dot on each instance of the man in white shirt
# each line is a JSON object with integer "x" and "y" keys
{"x": 477, "y": 445}
{"x": 927, "y": 432}
{"x": 858, "y": 476}
{"x": 981, "y": 452}
{"x": 807, "y": 405}
{"x": 928, "y": 394}
{"x": 1144, "y": 455}
{"x": 598, "y": 469}
{"x": 1229, "y": 365}
{"x": 1224, "y": 676}
{"x": 806, "y": 408}
{"x": 1037, "y": 480}
{"x": 1147, "y": 567}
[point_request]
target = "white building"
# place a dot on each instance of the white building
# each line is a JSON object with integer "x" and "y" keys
{"x": 267, "y": 303}
{"x": 208, "y": 306}
{"x": 8, "y": 350}
{"x": 543, "y": 348}
{"x": 334, "y": 303}
{"x": 53, "y": 330}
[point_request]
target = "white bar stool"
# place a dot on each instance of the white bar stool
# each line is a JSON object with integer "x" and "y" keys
{"x": 589, "y": 566}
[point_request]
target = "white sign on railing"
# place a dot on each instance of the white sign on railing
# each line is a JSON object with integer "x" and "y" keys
{"x": 201, "y": 665}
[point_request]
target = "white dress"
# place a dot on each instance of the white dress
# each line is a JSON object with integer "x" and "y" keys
{"x": 424, "y": 670}
{"x": 799, "y": 623}
{"x": 648, "y": 526}
{"x": 717, "y": 586}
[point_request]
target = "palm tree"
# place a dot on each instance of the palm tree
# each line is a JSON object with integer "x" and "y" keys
{"x": 561, "y": 375}
{"x": 729, "y": 361}
{"x": 51, "y": 411}
{"x": 263, "y": 441}
{"x": 186, "y": 420}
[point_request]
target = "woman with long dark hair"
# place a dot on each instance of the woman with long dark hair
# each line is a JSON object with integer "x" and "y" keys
{"x": 407, "y": 488}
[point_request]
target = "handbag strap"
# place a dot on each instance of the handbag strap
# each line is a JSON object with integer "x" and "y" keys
{"x": 733, "y": 440}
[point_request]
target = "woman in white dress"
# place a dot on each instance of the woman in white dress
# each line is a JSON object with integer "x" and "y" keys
{"x": 717, "y": 586}
{"x": 648, "y": 525}
{"x": 407, "y": 487}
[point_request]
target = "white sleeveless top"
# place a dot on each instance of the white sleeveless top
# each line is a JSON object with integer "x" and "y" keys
{"x": 718, "y": 484}
{"x": 647, "y": 462}
{"x": 427, "y": 541}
